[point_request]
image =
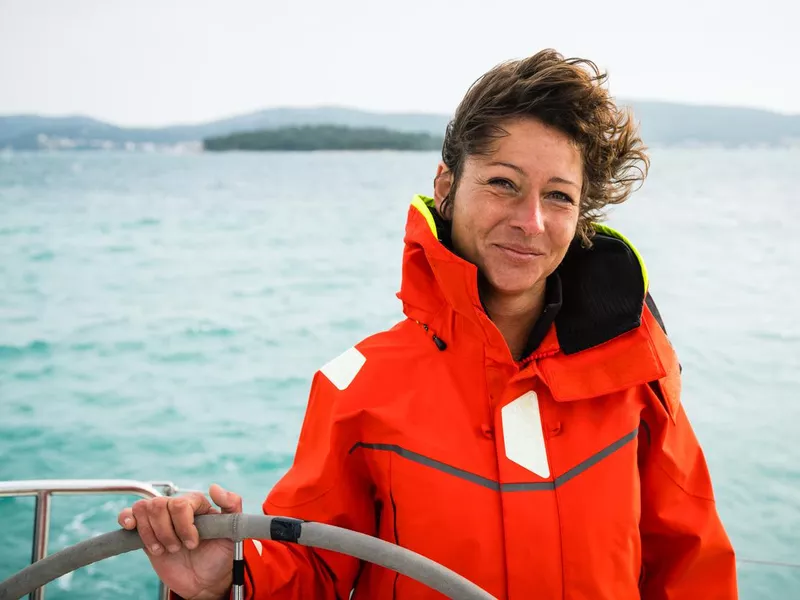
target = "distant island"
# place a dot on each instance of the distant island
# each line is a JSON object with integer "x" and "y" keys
{"x": 662, "y": 124}
{"x": 323, "y": 137}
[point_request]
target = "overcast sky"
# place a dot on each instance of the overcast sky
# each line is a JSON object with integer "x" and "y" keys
{"x": 154, "y": 62}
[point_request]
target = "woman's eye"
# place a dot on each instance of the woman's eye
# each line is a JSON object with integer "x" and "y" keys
{"x": 502, "y": 183}
{"x": 561, "y": 196}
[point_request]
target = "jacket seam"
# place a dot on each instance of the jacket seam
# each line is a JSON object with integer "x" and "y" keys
{"x": 394, "y": 522}
{"x": 679, "y": 486}
{"x": 309, "y": 501}
{"x": 333, "y": 486}
{"x": 561, "y": 546}
{"x": 560, "y": 530}
{"x": 556, "y": 495}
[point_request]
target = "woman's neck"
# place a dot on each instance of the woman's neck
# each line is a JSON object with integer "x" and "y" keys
{"x": 514, "y": 315}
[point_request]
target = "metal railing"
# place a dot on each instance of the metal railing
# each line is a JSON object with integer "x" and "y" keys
{"x": 44, "y": 489}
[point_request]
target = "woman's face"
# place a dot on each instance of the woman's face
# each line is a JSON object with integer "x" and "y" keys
{"x": 516, "y": 209}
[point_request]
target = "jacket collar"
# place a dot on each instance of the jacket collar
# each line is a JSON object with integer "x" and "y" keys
{"x": 433, "y": 277}
{"x": 597, "y": 328}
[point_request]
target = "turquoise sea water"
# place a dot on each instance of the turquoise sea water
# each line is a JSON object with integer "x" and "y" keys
{"x": 161, "y": 317}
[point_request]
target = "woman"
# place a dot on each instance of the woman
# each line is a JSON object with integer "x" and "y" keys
{"x": 522, "y": 426}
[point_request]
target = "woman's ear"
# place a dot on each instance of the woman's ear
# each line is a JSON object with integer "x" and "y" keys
{"x": 442, "y": 185}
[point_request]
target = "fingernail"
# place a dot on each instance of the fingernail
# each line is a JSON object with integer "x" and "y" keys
{"x": 191, "y": 544}
{"x": 128, "y": 522}
{"x": 156, "y": 549}
{"x": 174, "y": 549}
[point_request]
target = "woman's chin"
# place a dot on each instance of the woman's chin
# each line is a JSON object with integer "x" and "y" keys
{"x": 510, "y": 284}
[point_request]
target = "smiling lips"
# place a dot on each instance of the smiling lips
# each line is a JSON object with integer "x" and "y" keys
{"x": 519, "y": 253}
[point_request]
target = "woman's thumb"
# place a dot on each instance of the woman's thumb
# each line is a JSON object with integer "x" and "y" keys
{"x": 228, "y": 502}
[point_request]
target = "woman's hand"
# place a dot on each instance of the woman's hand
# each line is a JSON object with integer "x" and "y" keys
{"x": 194, "y": 569}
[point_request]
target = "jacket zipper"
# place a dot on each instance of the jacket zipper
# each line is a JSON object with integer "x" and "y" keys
{"x": 440, "y": 343}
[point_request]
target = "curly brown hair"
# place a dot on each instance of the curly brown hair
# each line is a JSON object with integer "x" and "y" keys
{"x": 567, "y": 94}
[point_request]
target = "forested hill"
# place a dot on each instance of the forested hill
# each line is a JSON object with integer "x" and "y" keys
{"x": 324, "y": 137}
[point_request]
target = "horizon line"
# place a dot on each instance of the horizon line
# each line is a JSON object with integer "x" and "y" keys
{"x": 354, "y": 108}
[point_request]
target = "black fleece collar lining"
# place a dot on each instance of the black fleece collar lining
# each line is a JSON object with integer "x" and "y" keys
{"x": 595, "y": 294}
{"x": 603, "y": 291}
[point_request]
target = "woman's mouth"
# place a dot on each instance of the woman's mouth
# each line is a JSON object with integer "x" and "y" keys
{"x": 519, "y": 253}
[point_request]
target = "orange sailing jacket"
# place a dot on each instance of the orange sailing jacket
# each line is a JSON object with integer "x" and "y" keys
{"x": 573, "y": 474}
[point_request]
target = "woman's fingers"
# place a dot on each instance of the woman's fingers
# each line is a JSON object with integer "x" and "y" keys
{"x": 182, "y": 510}
{"x": 141, "y": 514}
{"x": 227, "y": 501}
{"x": 161, "y": 522}
{"x": 125, "y": 518}
{"x": 168, "y": 522}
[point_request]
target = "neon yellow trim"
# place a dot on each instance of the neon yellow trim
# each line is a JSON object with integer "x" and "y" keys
{"x": 614, "y": 233}
{"x": 425, "y": 205}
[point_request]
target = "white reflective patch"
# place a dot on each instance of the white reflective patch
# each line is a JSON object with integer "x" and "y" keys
{"x": 343, "y": 369}
{"x": 259, "y": 546}
{"x": 523, "y": 435}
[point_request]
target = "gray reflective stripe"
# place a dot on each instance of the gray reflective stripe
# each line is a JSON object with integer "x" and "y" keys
{"x": 429, "y": 462}
{"x": 532, "y": 486}
{"x": 596, "y": 458}
{"x": 528, "y": 487}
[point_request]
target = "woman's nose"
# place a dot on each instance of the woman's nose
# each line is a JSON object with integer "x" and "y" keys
{"x": 530, "y": 215}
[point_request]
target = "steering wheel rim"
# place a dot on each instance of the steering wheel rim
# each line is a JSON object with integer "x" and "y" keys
{"x": 243, "y": 526}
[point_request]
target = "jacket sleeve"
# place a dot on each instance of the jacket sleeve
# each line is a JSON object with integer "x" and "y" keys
{"x": 326, "y": 484}
{"x": 686, "y": 553}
